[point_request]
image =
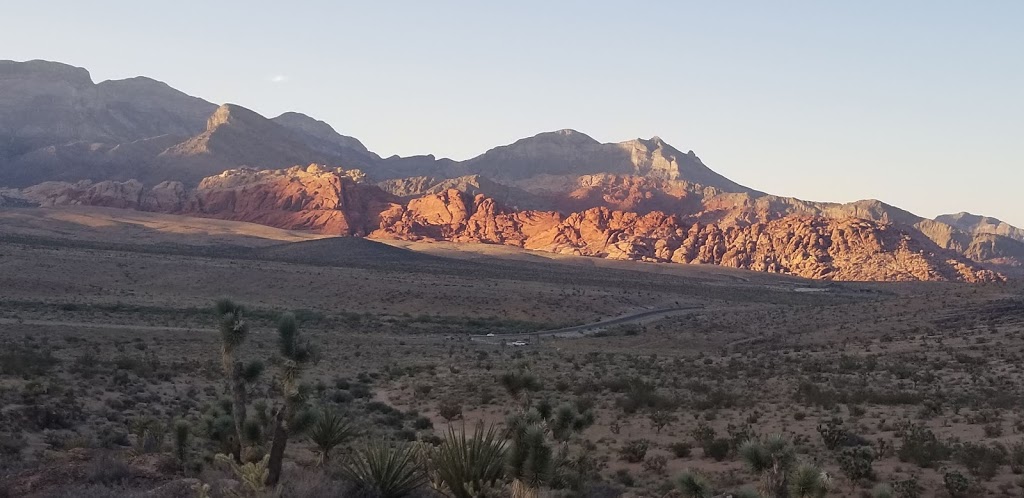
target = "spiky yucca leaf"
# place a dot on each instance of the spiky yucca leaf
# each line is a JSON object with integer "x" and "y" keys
{"x": 519, "y": 489}
{"x": 694, "y": 485}
{"x": 330, "y": 430}
{"x": 385, "y": 471}
{"x": 808, "y": 481}
{"x": 465, "y": 465}
{"x": 231, "y": 323}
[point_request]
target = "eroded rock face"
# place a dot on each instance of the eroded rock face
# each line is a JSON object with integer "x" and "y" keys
{"x": 125, "y": 195}
{"x": 812, "y": 247}
{"x": 303, "y": 198}
{"x": 339, "y": 202}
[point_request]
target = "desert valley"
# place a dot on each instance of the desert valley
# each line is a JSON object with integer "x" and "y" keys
{"x": 198, "y": 300}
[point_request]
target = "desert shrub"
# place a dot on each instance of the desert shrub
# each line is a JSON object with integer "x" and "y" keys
{"x": 54, "y": 414}
{"x": 1016, "y": 457}
{"x": 982, "y": 461}
{"x": 11, "y": 444}
{"x": 656, "y": 465}
{"x": 908, "y": 488}
{"x": 993, "y": 430}
{"x": 703, "y": 433}
{"x": 661, "y": 418}
{"x": 812, "y": 394}
{"x": 957, "y": 484}
{"x": 716, "y": 399}
{"x": 252, "y": 431}
{"x": 739, "y": 434}
{"x": 640, "y": 394}
{"x": 450, "y": 409}
{"x": 634, "y": 450}
{"x": 422, "y": 423}
{"x": 856, "y": 462}
{"x": 623, "y": 477}
{"x": 25, "y": 362}
{"x": 920, "y": 446}
{"x": 717, "y": 449}
{"x": 341, "y": 396}
{"x": 835, "y": 435}
{"x": 681, "y": 449}
{"x": 360, "y": 391}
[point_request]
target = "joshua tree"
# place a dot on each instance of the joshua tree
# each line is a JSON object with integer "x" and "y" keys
{"x": 233, "y": 330}
{"x": 522, "y": 381}
{"x": 295, "y": 354}
{"x": 531, "y": 459}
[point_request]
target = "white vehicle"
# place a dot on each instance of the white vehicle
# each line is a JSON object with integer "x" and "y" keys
{"x": 519, "y": 343}
{"x": 490, "y": 335}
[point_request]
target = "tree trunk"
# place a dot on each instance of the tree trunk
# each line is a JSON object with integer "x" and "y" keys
{"x": 278, "y": 445}
{"x": 238, "y": 407}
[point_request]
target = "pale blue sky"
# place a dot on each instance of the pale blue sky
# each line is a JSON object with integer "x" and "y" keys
{"x": 920, "y": 104}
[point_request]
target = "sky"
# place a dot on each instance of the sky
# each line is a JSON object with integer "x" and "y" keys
{"x": 916, "y": 103}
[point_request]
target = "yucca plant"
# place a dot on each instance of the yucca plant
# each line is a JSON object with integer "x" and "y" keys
{"x": 694, "y": 485}
{"x": 531, "y": 459}
{"x": 149, "y": 434}
{"x": 385, "y": 471}
{"x": 808, "y": 481}
{"x": 465, "y": 467}
{"x": 233, "y": 330}
{"x": 330, "y": 430}
{"x": 773, "y": 458}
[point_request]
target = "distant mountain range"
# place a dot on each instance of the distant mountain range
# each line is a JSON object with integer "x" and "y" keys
{"x": 138, "y": 143}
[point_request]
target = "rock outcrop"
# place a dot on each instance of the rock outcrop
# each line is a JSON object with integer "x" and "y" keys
{"x": 975, "y": 224}
{"x": 812, "y": 247}
{"x": 340, "y": 202}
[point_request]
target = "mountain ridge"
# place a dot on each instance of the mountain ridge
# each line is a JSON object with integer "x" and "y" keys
{"x": 101, "y": 142}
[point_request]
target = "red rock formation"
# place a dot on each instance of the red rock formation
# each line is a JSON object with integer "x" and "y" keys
{"x": 338, "y": 202}
{"x": 812, "y": 247}
{"x": 312, "y": 198}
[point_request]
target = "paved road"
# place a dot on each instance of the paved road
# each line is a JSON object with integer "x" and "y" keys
{"x": 590, "y": 328}
{"x": 94, "y": 325}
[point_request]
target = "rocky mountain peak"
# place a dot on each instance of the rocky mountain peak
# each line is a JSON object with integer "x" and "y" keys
{"x": 232, "y": 114}
{"x": 14, "y": 70}
{"x": 317, "y": 130}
